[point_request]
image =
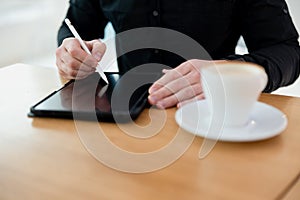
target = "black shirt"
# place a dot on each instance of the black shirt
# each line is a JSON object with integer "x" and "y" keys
{"x": 265, "y": 25}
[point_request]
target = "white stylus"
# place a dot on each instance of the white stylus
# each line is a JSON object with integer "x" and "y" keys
{"x": 85, "y": 48}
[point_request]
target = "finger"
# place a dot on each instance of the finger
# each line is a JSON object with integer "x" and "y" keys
{"x": 69, "y": 66}
{"x": 72, "y": 74}
{"x": 166, "y": 70}
{"x": 98, "y": 49}
{"x": 196, "y": 98}
{"x": 182, "y": 95}
{"x": 74, "y": 64}
{"x": 156, "y": 86}
{"x": 167, "y": 77}
{"x": 61, "y": 65}
{"x": 69, "y": 72}
{"x": 171, "y": 75}
{"x": 73, "y": 47}
{"x": 175, "y": 86}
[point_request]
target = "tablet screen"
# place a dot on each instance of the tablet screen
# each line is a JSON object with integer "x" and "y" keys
{"x": 92, "y": 95}
{"x": 83, "y": 91}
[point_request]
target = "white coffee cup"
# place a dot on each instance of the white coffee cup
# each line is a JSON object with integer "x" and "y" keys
{"x": 231, "y": 89}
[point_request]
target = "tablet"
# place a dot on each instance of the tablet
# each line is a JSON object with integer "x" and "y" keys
{"x": 122, "y": 100}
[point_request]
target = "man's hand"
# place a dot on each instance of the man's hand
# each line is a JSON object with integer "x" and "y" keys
{"x": 178, "y": 86}
{"x": 74, "y": 63}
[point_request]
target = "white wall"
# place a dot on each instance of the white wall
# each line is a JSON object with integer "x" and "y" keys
{"x": 294, "y": 6}
{"x": 28, "y": 28}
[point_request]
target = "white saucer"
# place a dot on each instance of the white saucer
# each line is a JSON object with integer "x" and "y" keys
{"x": 265, "y": 122}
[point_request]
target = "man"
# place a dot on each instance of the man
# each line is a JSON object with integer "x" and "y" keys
{"x": 266, "y": 26}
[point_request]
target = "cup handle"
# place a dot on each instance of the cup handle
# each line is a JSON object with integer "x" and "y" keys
{"x": 263, "y": 80}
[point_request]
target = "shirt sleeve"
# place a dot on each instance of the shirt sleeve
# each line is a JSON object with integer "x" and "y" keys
{"x": 87, "y": 18}
{"x": 271, "y": 39}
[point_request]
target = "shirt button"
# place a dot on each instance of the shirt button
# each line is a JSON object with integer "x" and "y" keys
{"x": 155, "y": 13}
{"x": 285, "y": 11}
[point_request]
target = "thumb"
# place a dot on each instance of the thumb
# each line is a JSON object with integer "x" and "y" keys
{"x": 98, "y": 49}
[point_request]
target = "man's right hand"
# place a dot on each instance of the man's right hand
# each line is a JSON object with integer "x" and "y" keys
{"x": 74, "y": 63}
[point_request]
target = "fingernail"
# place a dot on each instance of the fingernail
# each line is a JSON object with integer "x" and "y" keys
{"x": 165, "y": 71}
{"x": 152, "y": 89}
{"x": 98, "y": 56}
{"x": 152, "y": 99}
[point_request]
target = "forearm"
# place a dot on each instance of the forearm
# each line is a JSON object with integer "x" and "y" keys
{"x": 281, "y": 62}
{"x": 271, "y": 39}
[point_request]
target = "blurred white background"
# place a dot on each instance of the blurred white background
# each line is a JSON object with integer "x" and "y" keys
{"x": 28, "y": 33}
{"x": 28, "y": 30}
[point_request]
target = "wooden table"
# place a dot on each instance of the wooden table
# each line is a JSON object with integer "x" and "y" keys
{"x": 44, "y": 158}
{"x": 294, "y": 192}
